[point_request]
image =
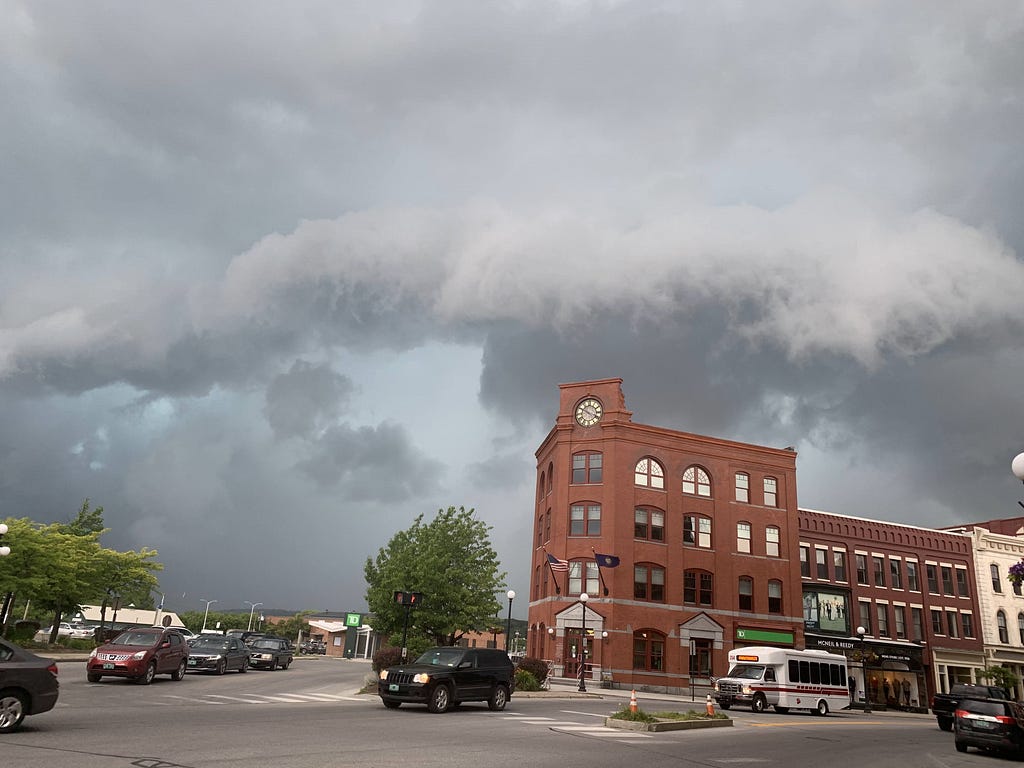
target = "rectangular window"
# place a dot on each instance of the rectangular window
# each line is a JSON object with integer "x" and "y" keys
{"x": 649, "y": 524}
{"x": 862, "y": 568}
{"x": 743, "y": 537}
{"x": 951, "y": 623}
{"x": 585, "y": 520}
{"x": 937, "y": 628}
{"x": 967, "y": 625}
{"x": 839, "y": 564}
{"x": 895, "y": 574}
{"x": 697, "y": 531}
{"x": 707, "y": 590}
{"x": 770, "y": 496}
{"x": 962, "y": 587}
{"x": 746, "y": 594}
{"x": 879, "y": 571}
{"x": 657, "y": 585}
{"x": 771, "y": 541}
{"x": 742, "y": 487}
{"x": 917, "y": 624}
{"x": 865, "y": 617}
{"x": 997, "y": 583}
{"x": 947, "y": 580}
{"x": 912, "y": 583}
{"x": 774, "y": 597}
{"x": 805, "y": 561}
{"x": 577, "y": 577}
{"x": 640, "y": 582}
{"x": 697, "y": 588}
{"x": 932, "y": 574}
{"x": 882, "y": 611}
{"x": 821, "y": 563}
{"x": 899, "y": 615}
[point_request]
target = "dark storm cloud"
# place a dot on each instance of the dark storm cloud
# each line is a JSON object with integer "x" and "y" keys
{"x": 305, "y": 399}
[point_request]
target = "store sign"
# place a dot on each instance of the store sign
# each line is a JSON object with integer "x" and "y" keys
{"x": 353, "y": 619}
{"x": 764, "y": 636}
{"x": 830, "y": 643}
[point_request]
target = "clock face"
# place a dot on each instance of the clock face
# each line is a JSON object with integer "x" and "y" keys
{"x": 588, "y": 412}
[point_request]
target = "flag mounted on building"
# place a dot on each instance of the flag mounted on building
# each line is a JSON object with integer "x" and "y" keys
{"x": 604, "y": 561}
{"x": 556, "y": 566}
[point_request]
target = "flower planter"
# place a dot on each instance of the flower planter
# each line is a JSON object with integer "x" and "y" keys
{"x": 667, "y": 725}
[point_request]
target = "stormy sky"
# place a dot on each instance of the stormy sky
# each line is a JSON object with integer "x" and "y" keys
{"x": 276, "y": 278}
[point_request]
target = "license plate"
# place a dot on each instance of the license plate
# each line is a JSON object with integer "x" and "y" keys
{"x": 393, "y": 687}
{"x": 108, "y": 666}
{"x": 191, "y": 662}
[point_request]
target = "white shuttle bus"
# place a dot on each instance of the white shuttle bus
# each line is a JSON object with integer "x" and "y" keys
{"x": 785, "y": 679}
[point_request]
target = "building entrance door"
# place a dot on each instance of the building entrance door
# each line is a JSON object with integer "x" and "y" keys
{"x": 574, "y": 651}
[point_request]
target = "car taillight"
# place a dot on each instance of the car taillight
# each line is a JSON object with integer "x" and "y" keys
{"x": 961, "y": 713}
{"x": 1005, "y": 720}
{"x": 52, "y": 669}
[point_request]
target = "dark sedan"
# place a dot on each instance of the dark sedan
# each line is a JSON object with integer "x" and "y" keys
{"x": 28, "y": 685}
{"x": 218, "y": 654}
{"x": 989, "y": 724}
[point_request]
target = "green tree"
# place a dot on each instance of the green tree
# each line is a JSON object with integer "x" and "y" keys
{"x": 1000, "y": 676}
{"x": 291, "y": 627}
{"x": 451, "y": 562}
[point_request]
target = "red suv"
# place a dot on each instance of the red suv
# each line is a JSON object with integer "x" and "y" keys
{"x": 140, "y": 654}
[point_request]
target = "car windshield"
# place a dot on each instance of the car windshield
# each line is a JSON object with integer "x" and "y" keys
{"x": 442, "y": 657}
{"x": 210, "y": 644}
{"x": 272, "y": 644}
{"x": 747, "y": 671}
{"x": 144, "y": 639}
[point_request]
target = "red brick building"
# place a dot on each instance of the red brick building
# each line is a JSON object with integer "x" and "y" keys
{"x": 704, "y": 530}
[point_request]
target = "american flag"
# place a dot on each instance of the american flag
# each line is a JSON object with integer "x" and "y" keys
{"x": 556, "y": 564}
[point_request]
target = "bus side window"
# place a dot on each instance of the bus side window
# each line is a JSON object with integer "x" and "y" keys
{"x": 769, "y": 674}
{"x": 794, "y": 671}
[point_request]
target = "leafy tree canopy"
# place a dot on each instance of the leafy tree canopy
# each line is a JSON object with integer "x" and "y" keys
{"x": 450, "y": 561}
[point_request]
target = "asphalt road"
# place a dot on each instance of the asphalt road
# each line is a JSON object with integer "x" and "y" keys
{"x": 310, "y": 716}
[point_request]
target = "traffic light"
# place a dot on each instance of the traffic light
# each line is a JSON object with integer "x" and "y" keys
{"x": 408, "y": 599}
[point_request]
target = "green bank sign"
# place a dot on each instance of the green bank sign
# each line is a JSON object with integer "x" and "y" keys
{"x": 353, "y": 619}
{"x": 763, "y": 636}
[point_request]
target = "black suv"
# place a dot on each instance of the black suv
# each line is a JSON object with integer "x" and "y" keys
{"x": 270, "y": 652}
{"x": 995, "y": 724}
{"x": 445, "y": 677}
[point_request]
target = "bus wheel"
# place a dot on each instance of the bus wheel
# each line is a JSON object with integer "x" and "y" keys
{"x": 724, "y": 704}
{"x": 758, "y": 704}
{"x": 822, "y": 708}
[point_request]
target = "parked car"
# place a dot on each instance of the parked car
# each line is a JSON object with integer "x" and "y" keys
{"x": 218, "y": 654}
{"x": 246, "y": 636}
{"x": 989, "y": 724}
{"x": 447, "y": 676}
{"x": 270, "y": 652}
{"x": 28, "y": 685}
{"x": 313, "y": 647}
{"x": 944, "y": 705}
{"x": 66, "y": 629}
{"x": 140, "y": 654}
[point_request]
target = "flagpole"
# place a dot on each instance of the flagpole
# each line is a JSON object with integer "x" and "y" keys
{"x": 554, "y": 576}
{"x": 600, "y": 573}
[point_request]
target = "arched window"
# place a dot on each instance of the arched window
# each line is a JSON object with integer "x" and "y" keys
{"x": 649, "y": 473}
{"x": 649, "y": 650}
{"x": 540, "y": 530}
{"x": 649, "y": 582}
{"x": 583, "y": 577}
{"x": 697, "y": 531}
{"x": 698, "y": 588}
{"x": 746, "y": 593}
{"x": 1004, "y": 635}
{"x": 770, "y": 492}
{"x": 585, "y": 519}
{"x": 551, "y": 476}
{"x": 541, "y": 487}
{"x": 547, "y": 525}
{"x": 742, "y": 487}
{"x": 696, "y": 481}
{"x": 586, "y": 468}
{"x": 774, "y": 596}
{"x": 743, "y": 537}
{"x": 1020, "y": 627}
{"x": 648, "y": 524}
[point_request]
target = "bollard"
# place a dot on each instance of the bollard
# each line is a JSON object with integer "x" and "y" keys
{"x": 632, "y": 700}
{"x": 710, "y": 707}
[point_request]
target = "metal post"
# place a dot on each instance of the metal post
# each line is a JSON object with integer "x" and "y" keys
{"x": 508, "y": 623}
{"x": 405, "y": 632}
{"x": 583, "y": 645}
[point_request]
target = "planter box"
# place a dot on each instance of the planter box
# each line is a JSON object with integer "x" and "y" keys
{"x": 667, "y": 725}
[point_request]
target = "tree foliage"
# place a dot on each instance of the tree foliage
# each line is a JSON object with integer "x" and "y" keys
{"x": 451, "y": 562}
{"x": 1001, "y": 676}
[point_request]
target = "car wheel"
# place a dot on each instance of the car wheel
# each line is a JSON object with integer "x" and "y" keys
{"x": 273, "y": 665}
{"x": 222, "y": 667}
{"x": 245, "y": 666}
{"x": 179, "y": 673}
{"x": 392, "y": 704}
{"x": 92, "y": 677}
{"x": 440, "y": 699}
{"x": 147, "y": 677}
{"x": 725, "y": 704}
{"x": 822, "y": 708}
{"x": 960, "y": 746}
{"x": 285, "y": 664}
{"x": 945, "y": 724}
{"x": 12, "y": 710}
{"x": 498, "y": 699}
{"x": 759, "y": 704}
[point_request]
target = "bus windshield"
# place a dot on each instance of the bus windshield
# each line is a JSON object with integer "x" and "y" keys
{"x": 747, "y": 671}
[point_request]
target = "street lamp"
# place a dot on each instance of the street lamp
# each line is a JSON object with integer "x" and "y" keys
{"x": 864, "y": 667}
{"x": 252, "y": 610}
{"x": 511, "y": 594}
{"x": 4, "y": 549}
{"x": 583, "y": 643}
{"x": 207, "y": 613}
{"x": 1017, "y": 467}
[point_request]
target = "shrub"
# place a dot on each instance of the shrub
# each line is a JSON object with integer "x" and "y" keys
{"x": 637, "y": 717}
{"x": 386, "y": 657}
{"x": 536, "y": 667}
{"x": 525, "y": 681}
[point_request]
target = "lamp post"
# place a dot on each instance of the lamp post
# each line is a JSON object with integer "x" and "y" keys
{"x": 4, "y": 549}
{"x": 207, "y": 612}
{"x": 583, "y": 643}
{"x": 1017, "y": 467}
{"x": 511, "y": 595}
{"x": 252, "y": 610}
{"x": 864, "y": 666}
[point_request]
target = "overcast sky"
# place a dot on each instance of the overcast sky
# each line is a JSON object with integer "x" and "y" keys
{"x": 276, "y": 278}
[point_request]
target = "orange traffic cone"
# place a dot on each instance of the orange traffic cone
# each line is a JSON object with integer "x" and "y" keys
{"x": 632, "y": 700}
{"x": 710, "y": 707}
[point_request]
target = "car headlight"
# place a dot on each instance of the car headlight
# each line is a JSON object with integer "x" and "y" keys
{"x": 422, "y": 677}
{"x": 93, "y": 654}
{"x": 383, "y": 674}
{"x": 747, "y": 689}
{"x": 139, "y": 656}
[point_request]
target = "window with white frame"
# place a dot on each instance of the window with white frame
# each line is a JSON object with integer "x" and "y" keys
{"x": 697, "y": 531}
{"x": 743, "y": 537}
{"x": 771, "y": 541}
{"x": 649, "y": 473}
{"x": 580, "y": 570}
{"x": 742, "y": 487}
{"x": 696, "y": 481}
{"x": 648, "y": 524}
{"x": 770, "y": 494}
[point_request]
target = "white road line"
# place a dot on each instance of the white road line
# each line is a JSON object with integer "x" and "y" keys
{"x": 238, "y": 699}
{"x": 610, "y": 733}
